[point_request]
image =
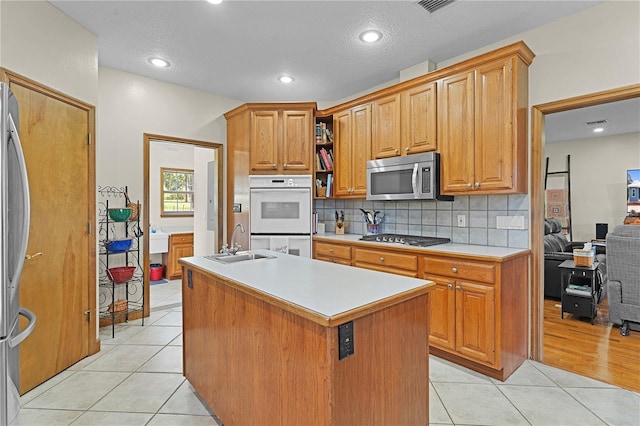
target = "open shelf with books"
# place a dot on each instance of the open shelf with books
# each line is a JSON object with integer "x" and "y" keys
{"x": 324, "y": 160}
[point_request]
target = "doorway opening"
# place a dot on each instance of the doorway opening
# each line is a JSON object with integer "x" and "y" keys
{"x": 206, "y": 218}
{"x": 538, "y": 114}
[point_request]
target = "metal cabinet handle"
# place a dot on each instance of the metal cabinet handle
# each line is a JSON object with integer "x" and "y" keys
{"x": 406, "y": 149}
{"x": 274, "y": 166}
{"x": 458, "y": 288}
{"x": 468, "y": 184}
{"x": 396, "y": 151}
{"x": 381, "y": 259}
{"x": 285, "y": 165}
{"x": 31, "y": 256}
{"x": 330, "y": 250}
{"x": 454, "y": 270}
{"x": 477, "y": 184}
{"x": 449, "y": 285}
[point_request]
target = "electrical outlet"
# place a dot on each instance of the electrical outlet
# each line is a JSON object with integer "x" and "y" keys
{"x": 517, "y": 222}
{"x": 462, "y": 220}
{"x": 503, "y": 222}
{"x": 345, "y": 340}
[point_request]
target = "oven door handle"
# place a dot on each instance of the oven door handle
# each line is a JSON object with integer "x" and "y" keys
{"x": 414, "y": 181}
{"x": 271, "y": 190}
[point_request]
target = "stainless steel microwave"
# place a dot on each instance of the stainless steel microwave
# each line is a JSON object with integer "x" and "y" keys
{"x": 410, "y": 177}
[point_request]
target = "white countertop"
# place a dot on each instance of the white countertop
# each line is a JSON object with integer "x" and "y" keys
{"x": 325, "y": 288}
{"x": 448, "y": 248}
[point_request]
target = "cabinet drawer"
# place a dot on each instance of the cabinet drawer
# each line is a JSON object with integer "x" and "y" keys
{"x": 408, "y": 262}
{"x": 577, "y": 305}
{"x": 465, "y": 269}
{"x": 334, "y": 260}
{"x": 181, "y": 238}
{"x": 332, "y": 250}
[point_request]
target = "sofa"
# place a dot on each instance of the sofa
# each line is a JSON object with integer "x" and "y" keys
{"x": 557, "y": 249}
{"x": 623, "y": 256}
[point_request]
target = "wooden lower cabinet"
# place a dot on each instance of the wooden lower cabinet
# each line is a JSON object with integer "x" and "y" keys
{"x": 180, "y": 245}
{"x": 386, "y": 261}
{"x": 479, "y": 312}
{"x": 332, "y": 253}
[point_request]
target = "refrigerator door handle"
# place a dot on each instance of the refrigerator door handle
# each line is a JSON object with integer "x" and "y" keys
{"x": 25, "y": 184}
{"x": 16, "y": 340}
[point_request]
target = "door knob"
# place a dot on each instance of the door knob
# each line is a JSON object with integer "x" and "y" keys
{"x": 31, "y": 256}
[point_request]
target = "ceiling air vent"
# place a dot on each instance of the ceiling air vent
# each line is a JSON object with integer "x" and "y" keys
{"x": 596, "y": 123}
{"x": 433, "y": 5}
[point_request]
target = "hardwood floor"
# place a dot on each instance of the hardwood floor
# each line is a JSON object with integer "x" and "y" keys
{"x": 597, "y": 351}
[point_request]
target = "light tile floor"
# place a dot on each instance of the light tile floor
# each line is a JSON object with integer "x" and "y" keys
{"x": 136, "y": 379}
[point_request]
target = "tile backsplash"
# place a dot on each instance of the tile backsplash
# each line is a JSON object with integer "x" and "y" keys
{"x": 437, "y": 218}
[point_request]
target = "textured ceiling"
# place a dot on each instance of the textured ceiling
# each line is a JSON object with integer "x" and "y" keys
{"x": 238, "y": 49}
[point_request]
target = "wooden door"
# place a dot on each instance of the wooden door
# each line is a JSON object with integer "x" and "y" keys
{"x": 475, "y": 321}
{"x": 59, "y": 285}
{"x": 296, "y": 141}
{"x": 455, "y": 137}
{"x": 386, "y": 127}
{"x": 442, "y": 308}
{"x": 419, "y": 119}
{"x": 342, "y": 145}
{"x": 360, "y": 149}
{"x": 263, "y": 145}
{"x": 494, "y": 142}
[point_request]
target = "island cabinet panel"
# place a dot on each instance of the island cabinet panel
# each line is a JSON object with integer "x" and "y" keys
{"x": 479, "y": 312}
{"x": 253, "y": 361}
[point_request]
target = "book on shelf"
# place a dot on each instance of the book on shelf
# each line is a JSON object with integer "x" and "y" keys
{"x": 325, "y": 159}
{"x": 329, "y": 185}
{"x": 323, "y": 134}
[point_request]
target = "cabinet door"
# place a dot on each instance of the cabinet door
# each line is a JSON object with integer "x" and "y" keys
{"x": 386, "y": 127}
{"x": 360, "y": 149}
{"x": 296, "y": 141}
{"x": 494, "y": 137}
{"x": 475, "y": 323}
{"x": 456, "y": 132}
{"x": 342, "y": 145}
{"x": 419, "y": 119}
{"x": 263, "y": 145}
{"x": 442, "y": 308}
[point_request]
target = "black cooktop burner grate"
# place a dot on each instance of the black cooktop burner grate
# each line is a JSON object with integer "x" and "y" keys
{"x": 411, "y": 240}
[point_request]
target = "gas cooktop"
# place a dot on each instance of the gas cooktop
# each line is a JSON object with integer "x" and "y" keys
{"x": 411, "y": 240}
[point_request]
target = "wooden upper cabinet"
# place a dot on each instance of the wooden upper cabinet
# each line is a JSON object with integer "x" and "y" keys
{"x": 352, "y": 146}
{"x": 482, "y": 126}
{"x": 280, "y": 141}
{"x": 264, "y": 141}
{"x": 418, "y": 115}
{"x": 386, "y": 127}
{"x": 296, "y": 141}
{"x": 456, "y": 126}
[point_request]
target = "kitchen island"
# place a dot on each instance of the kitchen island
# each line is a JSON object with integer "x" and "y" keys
{"x": 296, "y": 341}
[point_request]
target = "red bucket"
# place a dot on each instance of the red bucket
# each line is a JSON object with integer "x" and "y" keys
{"x": 156, "y": 270}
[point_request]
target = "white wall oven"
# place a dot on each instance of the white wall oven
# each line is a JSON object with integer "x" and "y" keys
{"x": 280, "y": 213}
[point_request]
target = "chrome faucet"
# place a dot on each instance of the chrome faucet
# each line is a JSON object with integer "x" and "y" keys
{"x": 233, "y": 247}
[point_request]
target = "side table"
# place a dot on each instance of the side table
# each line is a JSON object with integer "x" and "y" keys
{"x": 579, "y": 302}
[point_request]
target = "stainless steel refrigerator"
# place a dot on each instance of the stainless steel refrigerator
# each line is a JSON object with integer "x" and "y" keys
{"x": 14, "y": 227}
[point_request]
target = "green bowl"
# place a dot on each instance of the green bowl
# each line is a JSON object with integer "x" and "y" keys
{"x": 119, "y": 215}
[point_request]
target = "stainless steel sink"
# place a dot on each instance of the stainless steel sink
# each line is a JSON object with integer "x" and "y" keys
{"x": 238, "y": 257}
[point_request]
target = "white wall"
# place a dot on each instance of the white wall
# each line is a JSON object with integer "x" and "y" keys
{"x": 205, "y": 241}
{"x": 175, "y": 156}
{"x": 40, "y": 42}
{"x": 598, "y": 178}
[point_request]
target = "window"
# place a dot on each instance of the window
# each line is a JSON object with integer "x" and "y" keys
{"x": 176, "y": 192}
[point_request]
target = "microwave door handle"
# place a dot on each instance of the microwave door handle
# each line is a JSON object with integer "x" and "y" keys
{"x": 414, "y": 181}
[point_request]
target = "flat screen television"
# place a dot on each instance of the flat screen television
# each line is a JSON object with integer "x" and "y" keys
{"x": 633, "y": 191}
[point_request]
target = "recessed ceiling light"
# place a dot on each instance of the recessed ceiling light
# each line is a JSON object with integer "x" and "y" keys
{"x": 159, "y": 62}
{"x": 214, "y": 1}
{"x": 285, "y": 79}
{"x": 370, "y": 36}
{"x": 598, "y": 130}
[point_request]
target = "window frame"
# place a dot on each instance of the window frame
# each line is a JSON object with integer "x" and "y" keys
{"x": 164, "y": 213}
